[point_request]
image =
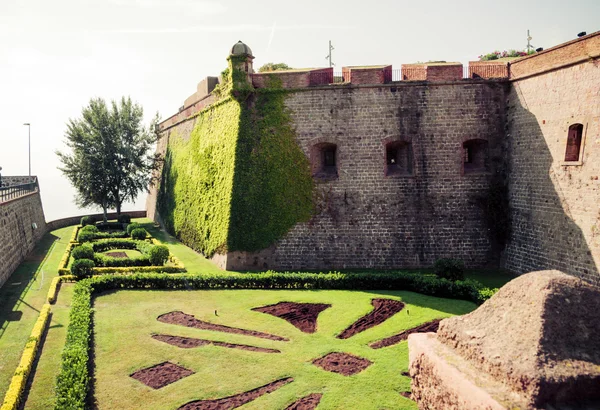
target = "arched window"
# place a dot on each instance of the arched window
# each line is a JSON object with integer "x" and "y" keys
{"x": 475, "y": 155}
{"x": 574, "y": 142}
{"x": 398, "y": 158}
{"x": 324, "y": 160}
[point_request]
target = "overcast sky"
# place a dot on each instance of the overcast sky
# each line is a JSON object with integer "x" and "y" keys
{"x": 56, "y": 55}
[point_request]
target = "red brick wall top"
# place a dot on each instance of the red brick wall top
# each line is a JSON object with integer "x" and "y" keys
{"x": 368, "y": 75}
{"x": 488, "y": 69}
{"x": 572, "y": 52}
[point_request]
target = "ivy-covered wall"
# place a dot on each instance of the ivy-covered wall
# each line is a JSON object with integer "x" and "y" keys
{"x": 272, "y": 182}
{"x": 240, "y": 181}
{"x": 197, "y": 180}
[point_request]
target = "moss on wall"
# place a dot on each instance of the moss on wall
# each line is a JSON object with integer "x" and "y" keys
{"x": 241, "y": 181}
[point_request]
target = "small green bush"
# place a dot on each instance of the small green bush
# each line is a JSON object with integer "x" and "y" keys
{"x": 85, "y": 236}
{"x": 133, "y": 226}
{"x": 82, "y": 268}
{"x": 88, "y": 220}
{"x": 139, "y": 234}
{"x": 448, "y": 268}
{"x": 89, "y": 228}
{"x": 124, "y": 218}
{"x": 159, "y": 255}
{"x": 84, "y": 251}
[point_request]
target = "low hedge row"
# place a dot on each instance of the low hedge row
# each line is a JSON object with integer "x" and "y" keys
{"x": 19, "y": 380}
{"x": 74, "y": 379}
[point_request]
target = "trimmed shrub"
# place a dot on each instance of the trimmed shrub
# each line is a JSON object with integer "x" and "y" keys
{"x": 106, "y": 226}
{"x": 448, "y": 268}
{"x": 88, "y": 220}
{"x": 82, "y": 268}
{"x": 132, "y": 226}
{"x": 89, "y": 228}
{"x": 139, "y": 234}
{"x": 159, "y": 255}
{"x": 124, "y": 218}
{"x": 84, "y": 251}
{"x": 85, "y": 236}
{"x": 108, "y": 261}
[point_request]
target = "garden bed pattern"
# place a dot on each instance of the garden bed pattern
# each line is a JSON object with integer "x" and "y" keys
{"x": 238, "y": 400}
{"x": 190, "y": 343}
{"x": 301, "y": 315}
{"x": 162, "y": 374}
{"x": 383, "y": 309}
{"x": 183, "y": 319}
{"x": 309, "y": 402}
{"x": 342, "y": 363}
{"x": 394, "y": 340}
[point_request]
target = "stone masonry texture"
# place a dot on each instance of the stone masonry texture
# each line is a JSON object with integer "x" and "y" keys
{"x": 17, "y": 236}
{"x": 555, "y": 207}
{"x": 367, "y": 219}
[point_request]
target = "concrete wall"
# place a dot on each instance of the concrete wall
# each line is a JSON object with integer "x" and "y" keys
{"x": 75, "y": 220}
{"x": 555, "y": 206}
{"x": 368, "y": 219}
{"x": 17, "y": 236}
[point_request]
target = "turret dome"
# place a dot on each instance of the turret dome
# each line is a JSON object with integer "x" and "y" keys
{"x": 240, "y": 49}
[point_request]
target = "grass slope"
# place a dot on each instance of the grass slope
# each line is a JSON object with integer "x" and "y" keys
{"x": 123, "y": 345}
{"x": 22, "y": 297}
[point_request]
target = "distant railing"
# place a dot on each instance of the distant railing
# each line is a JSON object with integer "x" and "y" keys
{"x": 15, "y": 191}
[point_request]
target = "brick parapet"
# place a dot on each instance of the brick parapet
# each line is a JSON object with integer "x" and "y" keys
{"x": 570, "y": 53}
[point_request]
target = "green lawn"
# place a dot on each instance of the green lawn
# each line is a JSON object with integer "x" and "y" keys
{"x": 125, "y": 320}
{"x": 223, "y": 371}
{"x": 41, "y": 389}
{"x": 22, "y": 297}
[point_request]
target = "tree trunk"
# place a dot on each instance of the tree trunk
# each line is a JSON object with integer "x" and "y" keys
{"x": 104, "y": 212}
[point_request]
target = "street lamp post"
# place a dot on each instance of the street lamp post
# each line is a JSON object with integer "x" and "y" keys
{"x": 29, "y": 127}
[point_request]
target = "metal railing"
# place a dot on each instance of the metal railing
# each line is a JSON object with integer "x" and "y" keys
{"x": 15, "y": 191}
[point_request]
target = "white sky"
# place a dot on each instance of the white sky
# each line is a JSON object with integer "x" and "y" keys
{"x": 55, "y": 55}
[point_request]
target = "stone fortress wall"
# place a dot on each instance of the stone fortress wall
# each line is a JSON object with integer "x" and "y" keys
{"x": 18, "y": 234}
{"x": 555, "y": 203}
{"x": 366, "y": 218}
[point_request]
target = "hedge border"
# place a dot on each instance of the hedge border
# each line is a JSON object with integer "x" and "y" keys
{"x": 14, "y": 394}
{"x": 178, "y": 267}
{"x": 72, "y": 385}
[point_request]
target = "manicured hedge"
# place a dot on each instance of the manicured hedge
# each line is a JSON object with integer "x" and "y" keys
{"x": 19, "y": 380}
{"x": 73, "y": 381}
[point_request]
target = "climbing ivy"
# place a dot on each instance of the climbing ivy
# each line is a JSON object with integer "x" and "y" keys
{"x": 197, "y": 180}
{"x": 241, "y": 181}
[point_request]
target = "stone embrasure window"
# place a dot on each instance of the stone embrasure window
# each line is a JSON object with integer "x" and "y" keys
{"x": 475, "y": 156}
{"x": 398, "y": 158}
{"x": 324, "y": 161}
{"x": 574, "y": 136}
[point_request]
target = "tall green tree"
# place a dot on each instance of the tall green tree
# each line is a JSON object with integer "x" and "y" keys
{"x": 111, "y": 159}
